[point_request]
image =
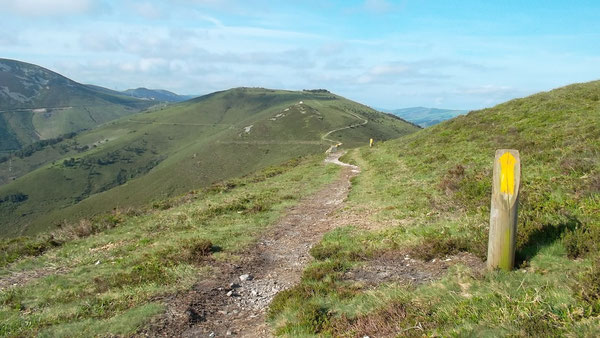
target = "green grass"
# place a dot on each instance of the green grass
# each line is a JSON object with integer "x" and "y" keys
{"x": 428, "y": 195}
{"x": 425, "y": 194}
{"x": 164, "y": 152}
{"x": 118, "y": 271}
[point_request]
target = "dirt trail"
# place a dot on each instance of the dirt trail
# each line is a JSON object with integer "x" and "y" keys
{"x": 225, "y": 305}
{"x": 362, "y": 123}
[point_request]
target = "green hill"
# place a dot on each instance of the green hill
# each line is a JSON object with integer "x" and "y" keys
{"x": 159, "y": 153}
{"x": 38, "y": 104}
{"x": 428, "y": 200}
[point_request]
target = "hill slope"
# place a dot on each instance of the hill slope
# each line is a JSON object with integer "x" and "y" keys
{"x": 37, "y": 104}
{"x": 145, "y": 257}
{"x": 419, "y": 255}
{"x": 426, "y": 117}
{"x": 156, "y": 154}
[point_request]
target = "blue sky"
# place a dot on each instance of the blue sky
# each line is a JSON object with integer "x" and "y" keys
{"x": 450, "y": 54}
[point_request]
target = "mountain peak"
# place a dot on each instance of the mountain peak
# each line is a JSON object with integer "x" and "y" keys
{"x": 37, "y": 103}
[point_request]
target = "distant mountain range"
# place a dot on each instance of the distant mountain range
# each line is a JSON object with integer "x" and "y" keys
{"x": 424, "y": 116}
{"x": 157, "y": 95}
{"x": 39, "y": 104}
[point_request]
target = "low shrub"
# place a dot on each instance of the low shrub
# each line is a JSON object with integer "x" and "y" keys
{"x": 196, "y": 249}
{"x": 589, "y": 287}
{"x": 162, "y": 205}
{"x": 582, "y": 240}
{"x": 452, "y": 180}
{"x": 16, "y": 248}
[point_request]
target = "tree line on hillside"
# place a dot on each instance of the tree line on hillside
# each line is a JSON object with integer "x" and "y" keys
{"x": 107, "y": 158}
{"x": 14, "y": 198}
{"x": 36, "y": 146}
{"x": 324, "y": 91}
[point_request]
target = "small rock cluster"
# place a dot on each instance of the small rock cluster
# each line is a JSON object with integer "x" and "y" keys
{"x": 250, "y": 294}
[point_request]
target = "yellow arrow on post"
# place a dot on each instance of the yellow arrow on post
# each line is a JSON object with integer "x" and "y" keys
{"x": 504, "y": 207}
{"x": 370, "y": 142}
{"x": 507, "y": 173}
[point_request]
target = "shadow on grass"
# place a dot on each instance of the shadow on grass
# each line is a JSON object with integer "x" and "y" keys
{"x": 543, "y": 237}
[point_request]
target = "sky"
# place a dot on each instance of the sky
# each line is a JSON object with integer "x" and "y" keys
{"x": 390, "y": 54}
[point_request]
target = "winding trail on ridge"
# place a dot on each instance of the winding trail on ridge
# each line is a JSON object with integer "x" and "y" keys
{"x": 224, "y": 305}
{"x": 326, "y": 136}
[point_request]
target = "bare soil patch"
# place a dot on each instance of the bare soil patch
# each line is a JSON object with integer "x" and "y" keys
{"x": 403, "y": 269}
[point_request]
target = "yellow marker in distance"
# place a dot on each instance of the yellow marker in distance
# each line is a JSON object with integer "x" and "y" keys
{"x": 507, "y": 173}
{"x": 370, "y": 142}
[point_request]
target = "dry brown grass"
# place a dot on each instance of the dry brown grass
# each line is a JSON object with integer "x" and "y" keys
{"x": 451, "y": 181}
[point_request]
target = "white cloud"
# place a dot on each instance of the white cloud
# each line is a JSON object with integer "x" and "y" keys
{"x": 47, "y": 7}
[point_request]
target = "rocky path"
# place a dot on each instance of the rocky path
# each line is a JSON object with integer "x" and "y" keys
{"x": 234, "y": 302}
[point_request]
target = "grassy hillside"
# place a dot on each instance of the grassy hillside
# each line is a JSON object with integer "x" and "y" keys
{"x": 420, "y": 208}
{"x": 111, "y": 275}
{"x": 160, "y": 153}
{"x": 37, "y": 104}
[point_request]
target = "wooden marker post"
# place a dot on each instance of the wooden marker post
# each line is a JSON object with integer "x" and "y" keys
{"x": 370, "y": 142}
{"x": 503, "y": 215}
